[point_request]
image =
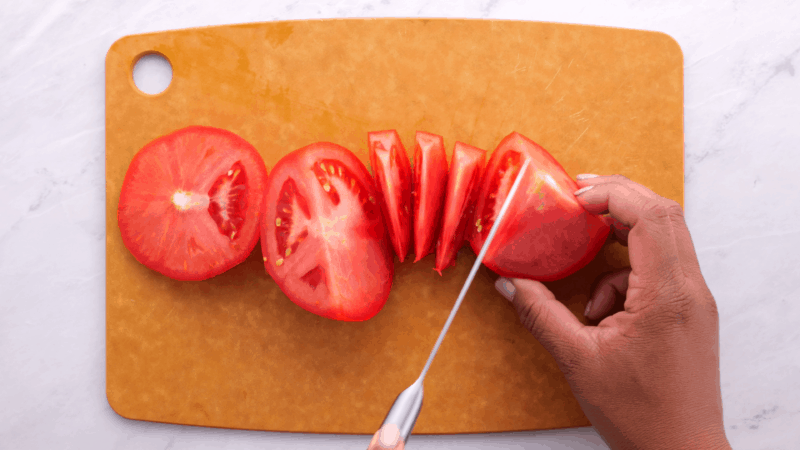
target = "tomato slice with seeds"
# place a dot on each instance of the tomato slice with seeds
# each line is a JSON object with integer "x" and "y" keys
{"x": 465, "y": 176}
{"x": 392, "y": 172}
{"x": 546, "y": 234}
{"x": 191, "y": 201}
{"x": 323, "y": 236}
{"x": 430, "y": 181}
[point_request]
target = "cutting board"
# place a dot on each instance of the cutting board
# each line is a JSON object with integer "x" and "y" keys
{"x": 234, "y": 352}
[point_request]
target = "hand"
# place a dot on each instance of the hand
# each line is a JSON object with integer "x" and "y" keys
{"x": 646, "y": 377}
{"x": 388, "y": 437}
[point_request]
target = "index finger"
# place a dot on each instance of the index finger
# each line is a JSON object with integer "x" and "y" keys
{"x": 659, "y": 243}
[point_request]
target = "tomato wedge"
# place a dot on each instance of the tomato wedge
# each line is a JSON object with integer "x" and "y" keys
{"x": 323, "y": 236}
{"x": 430, "y": 181}
{"x": 546, "y": 234}
{"x": 392, "y": 172}
{"x": 191, "y": 202}
{"x": 462, "y": 184}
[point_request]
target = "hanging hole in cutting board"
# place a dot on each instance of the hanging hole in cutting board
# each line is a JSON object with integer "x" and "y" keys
{"x": 152, "y": 73}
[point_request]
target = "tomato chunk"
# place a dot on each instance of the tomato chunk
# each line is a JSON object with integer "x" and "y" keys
{"x": 430, "y": 182}
{"x": 323, "y": 236}
{"x": 546, "y": 234}
{"x": 191, "y": 202}
{"x": 392, "y": 172}
{"x": 462, "y": 183}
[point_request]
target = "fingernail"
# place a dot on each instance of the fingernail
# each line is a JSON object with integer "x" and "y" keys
{"x": 582, "y": 190}
{"x": 586, "y": 176}
{"x": 390, "y": 436}
{"x": 588, "y": 308}
{"x": 506, "y": 288}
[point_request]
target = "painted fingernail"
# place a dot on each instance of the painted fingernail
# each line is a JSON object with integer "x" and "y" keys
{"x": 588, "y": 308}
{"x": 582, "y": 190}
{"x": 586, "y": 176}
{"x": 506, "y": 288}
{"x": 390, "y": 436}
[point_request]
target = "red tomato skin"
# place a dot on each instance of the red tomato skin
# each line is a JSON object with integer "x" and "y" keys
{"x": 463, "y": 181}
{"x": 153, "y": 176}
{"x": 428, "y": 194}
{"x": 353, "y": 262}
{"x": 546, "y": 234}
{"x": 392, "y": 172}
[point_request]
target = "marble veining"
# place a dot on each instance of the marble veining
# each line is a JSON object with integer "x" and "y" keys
{"x": 742, "y": 110}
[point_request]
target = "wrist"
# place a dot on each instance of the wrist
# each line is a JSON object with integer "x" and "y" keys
{"x": 709, "y": 439}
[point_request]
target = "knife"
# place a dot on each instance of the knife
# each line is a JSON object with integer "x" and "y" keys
{"x": 406, "y": 407}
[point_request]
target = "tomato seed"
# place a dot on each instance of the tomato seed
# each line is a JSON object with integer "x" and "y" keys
{"x": 279, "y": 262}
{"x": 278, "y": 222}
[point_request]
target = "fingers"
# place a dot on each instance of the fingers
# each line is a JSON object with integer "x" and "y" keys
{"x": 388, "y": 437}
{"x": 659, "y": 240}
{"x": 608, "y": 292}
{"x": 620, "y": 231}
{"x": 550, "y": 322}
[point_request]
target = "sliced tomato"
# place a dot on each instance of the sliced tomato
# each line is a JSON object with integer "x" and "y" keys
{"x": 191, "y": 202}
{"x": 323, "y": 236}
{"x": 465, "y": 176}
{"x": 430, "y": 181}
{"x": 392, "y": 172}
{"x": 546, "y": 234}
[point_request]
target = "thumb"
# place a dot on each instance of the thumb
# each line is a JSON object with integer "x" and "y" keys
{"x": 388, "y": 437}
{"x": 550, "y": 322}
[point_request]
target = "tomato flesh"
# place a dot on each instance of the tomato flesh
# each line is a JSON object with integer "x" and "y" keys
{"x": 462, "y": 183}
{"x": 392, "y": 172}
{"x": 191, "y": 201}
{"x": 323, "y": 236}
{"x": 430, "y": 182}
{"x": 546, "y": 234}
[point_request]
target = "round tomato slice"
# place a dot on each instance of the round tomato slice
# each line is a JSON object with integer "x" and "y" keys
{"x": 392, "y": 172}
{"x": 323, "y": 236}
{"x": 546, "y": 234}
{"x": 191, "y": 202}
{"x": 462, "y": 186}
{"x": 430, "y": 181}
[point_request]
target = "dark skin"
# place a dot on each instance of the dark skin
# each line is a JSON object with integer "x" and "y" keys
{"x": 647, "y": 377}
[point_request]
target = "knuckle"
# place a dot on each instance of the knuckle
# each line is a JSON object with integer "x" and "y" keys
{"x": 532, "y": 319}
{"x": 682, "y": 302}
{"x": 654, "y": 210}
{"x": 663, "y": 211}
{"x": 620, "y": 178}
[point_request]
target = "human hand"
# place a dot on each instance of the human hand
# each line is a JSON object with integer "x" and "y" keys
{"x": 388, "y": 437}
{"x": 646, "y": 377}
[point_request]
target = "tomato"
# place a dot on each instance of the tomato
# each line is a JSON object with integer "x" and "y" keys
{"x": 191, "y": 202}
{"x": 430, "y": 181}
{"x": 546, "y": 234}
{"x": 392, "y": 172}
{"x": 465, "y": 176}
{"x": 323, "y": 236}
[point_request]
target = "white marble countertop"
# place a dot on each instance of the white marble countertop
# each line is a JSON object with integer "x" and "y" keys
{"x": 742, "y": 116}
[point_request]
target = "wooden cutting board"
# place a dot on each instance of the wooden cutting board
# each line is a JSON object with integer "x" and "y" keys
{"x": 234, "y": 352}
